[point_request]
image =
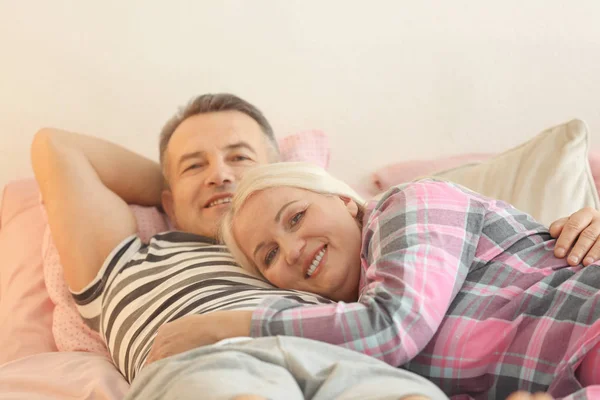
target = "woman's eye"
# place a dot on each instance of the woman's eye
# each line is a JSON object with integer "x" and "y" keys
{"x": 240, "y": 158}
{"x": 297, "y": 218}
{"x": 270, "y": 256}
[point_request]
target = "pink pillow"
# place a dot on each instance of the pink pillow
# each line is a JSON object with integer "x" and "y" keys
{"x": 405, "y": 171}
{"x": 310, "y": 146}
{"x": 594, "y": 159}
{"x": 70, "y": 332}
{"x": 25, "y": 308}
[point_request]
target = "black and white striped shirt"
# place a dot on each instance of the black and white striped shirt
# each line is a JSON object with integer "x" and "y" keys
{"x": 143, "y": 286}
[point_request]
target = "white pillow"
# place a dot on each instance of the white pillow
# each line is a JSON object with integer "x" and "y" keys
{"x": 548, "y": 177}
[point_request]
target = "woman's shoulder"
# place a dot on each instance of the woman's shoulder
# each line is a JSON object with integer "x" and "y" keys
{"x": 420, "y": 194}
{"x": 431, "y": 186}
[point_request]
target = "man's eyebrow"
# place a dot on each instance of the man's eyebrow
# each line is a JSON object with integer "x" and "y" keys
{"x": 187, "y": 156}
{"x": 199, "y": 154}
{"x": 240, "y": 145}
{"x": 277, "y": 219}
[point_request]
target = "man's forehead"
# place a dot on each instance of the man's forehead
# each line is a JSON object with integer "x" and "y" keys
{"x": 194, "y": 139}
{"x": 208, "y": 136}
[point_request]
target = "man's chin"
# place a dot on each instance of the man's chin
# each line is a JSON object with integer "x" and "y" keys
{"x": 209, "y": 225}
{"x": 215, "y": 213}
{"x": 202, "y": 231}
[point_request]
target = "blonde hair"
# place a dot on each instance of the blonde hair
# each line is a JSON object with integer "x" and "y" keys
{"x": 291, "y": 174}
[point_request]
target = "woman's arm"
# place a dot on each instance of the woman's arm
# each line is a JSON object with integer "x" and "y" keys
{"x": 418, "y": 245}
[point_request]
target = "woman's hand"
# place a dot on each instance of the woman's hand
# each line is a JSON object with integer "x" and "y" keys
{"x": 193, "y": 331}
{"x": 579, "y": 233}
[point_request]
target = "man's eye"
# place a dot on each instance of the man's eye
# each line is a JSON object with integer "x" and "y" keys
{"x": 193, "y": 166}
{"x": 271, "y": 256}
{"x": 240, "y": 158}
{"x": 297, "y": 218}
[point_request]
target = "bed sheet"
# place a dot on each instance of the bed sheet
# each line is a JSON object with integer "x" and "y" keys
{"x": 61, "y": 375}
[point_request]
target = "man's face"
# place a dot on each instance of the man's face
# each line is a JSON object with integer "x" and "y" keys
{"x": 206, "y": 156}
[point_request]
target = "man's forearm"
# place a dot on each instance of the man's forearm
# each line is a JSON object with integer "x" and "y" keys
{"x": 134, "y": 178}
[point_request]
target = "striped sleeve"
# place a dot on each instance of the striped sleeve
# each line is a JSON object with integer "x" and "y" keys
{"x": 418, "y": 244}
{"x": 89, "y": 300}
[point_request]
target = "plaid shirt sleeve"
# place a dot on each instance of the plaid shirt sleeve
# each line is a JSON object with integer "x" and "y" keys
{"x": 418, "y": 244}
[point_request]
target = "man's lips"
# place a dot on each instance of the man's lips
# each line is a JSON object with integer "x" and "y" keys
{"x": 219, "y": 199}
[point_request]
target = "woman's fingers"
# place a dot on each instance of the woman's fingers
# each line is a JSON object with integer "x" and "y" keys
{"x": 529, "y": 396}
{"x": 557, "y": 226}
{"x": 591, "y": 254}
{"x": 578, "y": 237}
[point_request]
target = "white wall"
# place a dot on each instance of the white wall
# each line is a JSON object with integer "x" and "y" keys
{"x": 388, "y": 80}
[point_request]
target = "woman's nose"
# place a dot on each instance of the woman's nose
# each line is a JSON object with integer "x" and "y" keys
{"x": 293, "y": 250}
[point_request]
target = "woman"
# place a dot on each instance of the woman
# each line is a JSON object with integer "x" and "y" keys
{"x": 456, "y": 287}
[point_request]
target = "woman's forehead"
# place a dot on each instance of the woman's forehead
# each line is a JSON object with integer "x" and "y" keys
{"x": 271, "y": 197}
{"x": 261, "y": 208}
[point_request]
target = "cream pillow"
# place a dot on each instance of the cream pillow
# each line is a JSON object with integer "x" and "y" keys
{"x": 548, "y": 177}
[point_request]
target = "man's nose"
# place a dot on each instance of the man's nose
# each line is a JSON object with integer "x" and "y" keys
{"x": 220, "y": 174}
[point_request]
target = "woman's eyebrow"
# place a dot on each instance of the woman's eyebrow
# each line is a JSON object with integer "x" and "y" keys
{"x": 282, "y": 209}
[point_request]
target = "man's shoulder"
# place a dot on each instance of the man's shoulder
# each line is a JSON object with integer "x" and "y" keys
{"x": 135, "y": 248}
{"x": 181, "y": 237}
{"x": 181, "y": 241}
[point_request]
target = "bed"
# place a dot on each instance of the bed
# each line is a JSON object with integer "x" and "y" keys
{"x": 47, "y": 353}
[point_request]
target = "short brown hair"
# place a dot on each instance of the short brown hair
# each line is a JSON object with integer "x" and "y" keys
{"x": 208, "y": 103}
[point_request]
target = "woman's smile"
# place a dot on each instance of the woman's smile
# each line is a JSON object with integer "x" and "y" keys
{"x": 317, "y": 264}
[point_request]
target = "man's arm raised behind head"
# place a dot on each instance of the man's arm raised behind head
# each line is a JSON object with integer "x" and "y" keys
{"x": 87, "y": 184}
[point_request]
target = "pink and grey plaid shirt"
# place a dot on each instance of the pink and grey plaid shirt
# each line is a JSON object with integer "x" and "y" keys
{"x": 465, "y": 291}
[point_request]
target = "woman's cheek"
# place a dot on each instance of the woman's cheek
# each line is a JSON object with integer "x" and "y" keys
{"x": 287, "y": 282}
{"x": 274, "y": 278}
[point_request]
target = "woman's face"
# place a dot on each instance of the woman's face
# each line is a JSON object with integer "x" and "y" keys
{"x": 302, "y": 240}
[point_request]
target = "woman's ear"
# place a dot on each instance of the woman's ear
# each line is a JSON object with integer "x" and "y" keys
{"x": 351, "y": 206}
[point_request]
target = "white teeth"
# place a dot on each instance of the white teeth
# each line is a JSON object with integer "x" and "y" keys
{"x": 220, "y": 201}
{"x": 315, "y": 263}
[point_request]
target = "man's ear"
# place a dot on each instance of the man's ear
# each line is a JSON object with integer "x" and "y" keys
{"x": 167, "y": 203}
{"x": 351, "y": 206}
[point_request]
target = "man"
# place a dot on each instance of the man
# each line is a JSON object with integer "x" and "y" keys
{"x": 127, "y": 289}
